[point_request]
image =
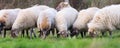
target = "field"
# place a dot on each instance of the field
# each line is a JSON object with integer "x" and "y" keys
{"x": 53, "y": 42}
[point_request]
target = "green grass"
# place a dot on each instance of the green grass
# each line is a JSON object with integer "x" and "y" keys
{"x": 52, "y": 42}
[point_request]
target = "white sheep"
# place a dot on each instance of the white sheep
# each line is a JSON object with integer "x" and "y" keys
{"x": 84, "y": 16}
{"x": 46, "y": 21}
{"x": 7, "y": 18}
{"x": 106, "y": 19}
{"x": 27, "y": 18}
{"x": 65, "y": 18}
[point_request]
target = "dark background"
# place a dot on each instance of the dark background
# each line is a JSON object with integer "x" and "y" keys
{"x": 78, "y": 4}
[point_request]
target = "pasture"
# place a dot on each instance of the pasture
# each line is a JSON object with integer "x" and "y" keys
{"x": 53, "y": 42}
{"x": 63, "y": 17}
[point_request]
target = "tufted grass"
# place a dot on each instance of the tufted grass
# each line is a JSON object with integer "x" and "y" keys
{"x": 53, "y": 42}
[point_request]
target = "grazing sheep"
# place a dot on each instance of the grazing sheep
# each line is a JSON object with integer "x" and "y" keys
{"x": 7, "y": 18}
{"x": 27, "y": 19}
{"x": 46, "y": 22}
{"x": 84, "y": 16}
{"x": 106, "y": 19}
{"x": 65, "y": 18}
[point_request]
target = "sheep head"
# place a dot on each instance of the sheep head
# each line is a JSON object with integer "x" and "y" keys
{"x": 3, "y": 18}
{"x": 14, "y": 33}
{"x": 74, "y": 32}
{"x": 62, "y": 5}
{"x": 63, "y": 33}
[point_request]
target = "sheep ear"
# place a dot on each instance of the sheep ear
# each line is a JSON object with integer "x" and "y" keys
{"x": 59, "y": 6}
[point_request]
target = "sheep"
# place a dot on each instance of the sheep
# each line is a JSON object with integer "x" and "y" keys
{"x": 65, "y": 18}
{"x": 27, "y": 19}
{"x": 7, "y": 18}
{"x": 84, "y": 16}
{"x": 106, "y": 19}
{"x": 46, "y": 21}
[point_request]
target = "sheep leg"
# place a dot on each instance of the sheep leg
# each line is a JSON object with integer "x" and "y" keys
{"x": 76, "y": 34}
{"x": 40, "y": 34}
{"x": 81, "y": 34}
{"x": 58, "y": 35}
{"x": 110, "y": 33}
{"x": 0, "y": 32}
{"x": 103, "y": 33}
{"x": 53, "y": 33}
{"x": 71, "y": 33}
{"x": 33, "y": 33}
{"x": 22, "y": 33}
{"x": 4, "y": 33}
{"x": 84, "y": 33}
{"x": 44, "y": 35}
{"x": 48, "y": 33}
{"x": 27, "y": 33}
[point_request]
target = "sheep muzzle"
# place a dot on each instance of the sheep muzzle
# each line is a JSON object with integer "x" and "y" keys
{"x": 63, "y": 33}
{"x": 14, "y": 33}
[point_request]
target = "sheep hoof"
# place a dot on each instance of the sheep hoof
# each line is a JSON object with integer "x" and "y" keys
{"x": 44, "y": 36}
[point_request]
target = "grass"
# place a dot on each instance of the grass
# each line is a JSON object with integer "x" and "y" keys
{"x": 52, "y": 42}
